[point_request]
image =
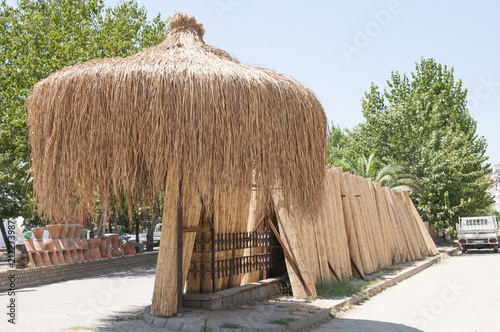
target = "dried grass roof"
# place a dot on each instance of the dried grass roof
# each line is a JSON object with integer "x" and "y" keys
{"x": 118, "y": 126}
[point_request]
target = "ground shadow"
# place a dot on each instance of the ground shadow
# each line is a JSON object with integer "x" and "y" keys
{"x": 362, "y": 325}
{"x": 123, "y": 271}
{"x": 129, "y": 320}
{"x": 472, "y": 252}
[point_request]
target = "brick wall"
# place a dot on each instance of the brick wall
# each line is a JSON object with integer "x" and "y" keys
{"x": 50, "y": 274}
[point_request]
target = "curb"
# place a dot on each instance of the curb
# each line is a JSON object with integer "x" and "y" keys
{"x": 312, "y": 319}
{"x": 306, "y": 322}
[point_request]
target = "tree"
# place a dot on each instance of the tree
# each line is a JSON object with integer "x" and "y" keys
{"x": 390, "y": 175}
{"x": 151, "y": 230}
{"x": 423, "y": 123}
{"x": 39, "y": 37}
{"x": 337, "y": 141}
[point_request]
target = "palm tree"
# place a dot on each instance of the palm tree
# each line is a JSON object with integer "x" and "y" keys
{"x": 390, "y": 175}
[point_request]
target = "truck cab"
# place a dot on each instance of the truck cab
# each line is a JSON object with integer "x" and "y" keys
{"x": 478, "y": 233}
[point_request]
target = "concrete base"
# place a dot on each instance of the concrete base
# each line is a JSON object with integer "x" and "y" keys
{"x": 230, "y": 298}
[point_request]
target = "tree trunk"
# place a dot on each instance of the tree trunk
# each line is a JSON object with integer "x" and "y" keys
{"x": 151, "y": 229}
{"x": 104, "y": 218}
{"x": 109, "y": 226}
{"x": 116, "y": 221}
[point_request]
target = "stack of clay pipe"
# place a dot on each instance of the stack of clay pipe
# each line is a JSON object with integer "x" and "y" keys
{"x": 67, "y": 243}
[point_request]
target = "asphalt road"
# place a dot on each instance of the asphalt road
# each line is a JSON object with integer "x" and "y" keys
{"x": 460, "y": 293}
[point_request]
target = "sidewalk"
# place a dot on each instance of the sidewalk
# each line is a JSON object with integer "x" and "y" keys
{"x": 116, "y": 302}
{"x": 288, "y": 314}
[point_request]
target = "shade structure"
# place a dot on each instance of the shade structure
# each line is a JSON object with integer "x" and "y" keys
{"x": 121, "y": 125}
{"x": 218, "y": 138}
{"x": 181, "y": 112}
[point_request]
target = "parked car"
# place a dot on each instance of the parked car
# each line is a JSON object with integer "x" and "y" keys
{"x": 127, "y": 237}
{"x": 143, "y": 238}
{"x": 156, "y": 236}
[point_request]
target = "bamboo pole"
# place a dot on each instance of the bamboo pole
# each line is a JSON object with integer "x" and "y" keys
{"x": 291, "y": 236}
{"x": 343, "y": 258}
{"x": 401, "y": 219}
{"x": 221, "y": 227}
{"x": 429, "y": 243}
{"x": 316, "y": 259}
{"x": 335, "y": 241}
{"x": 388, "y": 233}
{"x": 402, "y": 253}
{"x": 352, "y": 239}
{"x": 255, "y": 214}
{"x": 194, "y": 280}
{"x": 192, "y": 208}
{"x": 321, "y": 232}
{"x": 417, "y": 240}
{"x": 165, "y": 295}
{"x": 367, "y": 221}
{"x": 364, "y": 250}
{"x": 241, "y": 202}
{"x": 164, "y": 303}
{"x": 376, "y": 222}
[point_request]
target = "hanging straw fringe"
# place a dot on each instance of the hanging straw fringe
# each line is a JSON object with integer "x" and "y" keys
{"x": 120, "y": 126}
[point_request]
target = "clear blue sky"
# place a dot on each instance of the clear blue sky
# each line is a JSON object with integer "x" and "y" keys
{"x": 304, "y": 40}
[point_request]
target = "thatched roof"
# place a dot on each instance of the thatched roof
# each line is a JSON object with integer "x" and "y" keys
{"x": 118, "y": 126}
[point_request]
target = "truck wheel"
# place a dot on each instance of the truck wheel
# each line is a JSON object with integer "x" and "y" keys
{"x": 464, "y": 250}
{"x": 495, "y": 249}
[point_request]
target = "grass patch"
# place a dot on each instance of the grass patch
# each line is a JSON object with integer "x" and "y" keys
{"x": 391, "y": 270}
{"x": 282, "y": 321}
{"x": 285, "y": 289}
{"x": 78, "y": 328}
{"x": 231, "y": 326}
{"x": 207, "y": 327}
{"x": 345, "y": 287}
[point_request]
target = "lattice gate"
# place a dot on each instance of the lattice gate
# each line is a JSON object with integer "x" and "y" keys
{"x": 264, "y": 254}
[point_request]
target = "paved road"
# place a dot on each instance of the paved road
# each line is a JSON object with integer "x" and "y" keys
{"x": 459, "y": 294}
{"x": 110, "y": 302}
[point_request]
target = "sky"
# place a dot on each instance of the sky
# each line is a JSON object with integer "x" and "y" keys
{"x": 338, "y": 48}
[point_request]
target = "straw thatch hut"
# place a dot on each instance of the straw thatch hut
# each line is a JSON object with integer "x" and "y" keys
{"x": 180, "y": 118}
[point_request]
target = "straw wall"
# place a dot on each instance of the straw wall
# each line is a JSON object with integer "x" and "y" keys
{"x": 362, "y": 228}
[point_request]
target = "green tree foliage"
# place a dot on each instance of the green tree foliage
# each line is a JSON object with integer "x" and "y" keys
{"x": 39, "y": 37}
{"x": 390, "y": 175}
{"x": 337, "y": 141}
{"x": 422, "y": 122}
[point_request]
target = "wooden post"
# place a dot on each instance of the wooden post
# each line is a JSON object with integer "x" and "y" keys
{"x": 213, "y": 258}
{"x": 291, "y": 261}
{"x": 164, "y": 302}
{"x": 265, "y": 249}
{"x": 212, "y": 229}
{"x": 179, "y": 252}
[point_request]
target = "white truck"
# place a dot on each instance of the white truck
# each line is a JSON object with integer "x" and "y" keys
{"x": 478, "y": 233}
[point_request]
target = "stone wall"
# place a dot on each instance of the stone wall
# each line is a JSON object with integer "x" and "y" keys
{"x": 46, "y": 275}
{"x": 233, "y": 297}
